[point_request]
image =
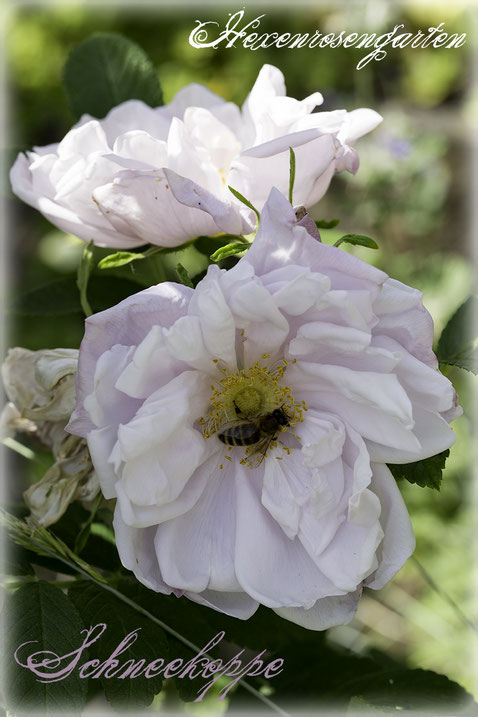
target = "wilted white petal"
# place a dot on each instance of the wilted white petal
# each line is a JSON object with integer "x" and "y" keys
{"x": 41, "y": 384}
{"x": 70, "y": 478}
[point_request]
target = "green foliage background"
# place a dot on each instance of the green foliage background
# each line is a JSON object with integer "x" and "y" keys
{"x": 411, "y": 194}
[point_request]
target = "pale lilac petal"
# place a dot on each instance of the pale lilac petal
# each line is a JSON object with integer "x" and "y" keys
{"x": 281, "y": 573}
{"x": 136, "y": 550}
{"x": 284, "y": 492}
{"x": 150, "y": 425}
{"x": 129, "y": 321}
{"x": 280, "y": 242}
{"x": 398, "y": 542}
{"x": 327, "y": 612}
{"x": 403, "y": 317}
{"x": 192, "y": 95}
{"x": 432, "y": 433}
{"x": 140, "y": 146}
{"x": 376, "y": 390}
{"x": 357, "y": 123}
{"x": 196, "y": 550}
{"x": 216, "y": 318}
{"x": 208, "y": 130}
{"x": 24, "y": 185}
{"x": 256, "y": 312}
{"x": 224, "y": 213}
{"x": 101, "y": 403}
{"x": 147, "y": 515}
{"x": 83, "y": 140}
{"x": 141, "y": 203}
{"x": 236, "y": 604}
{"x": 255, "y": 172}
{"x": 350, "y": 556}
{"x": 321, "y": 337}
{"x": 151, "y": 365}
{"x": 133, "y": 115}
{"x": 428, "y": 387}
{"x": 295, "y": 289}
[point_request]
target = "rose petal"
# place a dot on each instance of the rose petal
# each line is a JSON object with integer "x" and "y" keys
{"x": 398, "y": 542}
{"x": 130, "y": 321}
{"x": 281, "y": 573}
{"x": 327, "y": 612}
{"x": 196, "y": 550}
{"x": 136, "y": 550}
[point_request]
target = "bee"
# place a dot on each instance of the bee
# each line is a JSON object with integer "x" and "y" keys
{"x": 258, "y": 432}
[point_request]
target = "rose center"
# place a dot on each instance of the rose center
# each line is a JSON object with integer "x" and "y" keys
{"x": 248, "y": 401}
{"x": 251, "y": 396}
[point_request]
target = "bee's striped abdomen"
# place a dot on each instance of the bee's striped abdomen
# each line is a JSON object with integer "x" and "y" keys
{"x": 242, "y": 434}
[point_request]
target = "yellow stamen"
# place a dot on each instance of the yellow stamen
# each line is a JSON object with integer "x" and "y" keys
{"x": 249, "y": 395}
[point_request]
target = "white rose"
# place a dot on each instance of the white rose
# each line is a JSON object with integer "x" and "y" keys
{"x": 325, "y": 365}
{"x": 125, "y": 180}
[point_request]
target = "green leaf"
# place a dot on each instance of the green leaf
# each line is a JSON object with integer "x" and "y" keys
{"x": 119, "y": 258}
{"x": 208, "y": 245}
{"x": 357, "y": 240}
{"x": 62, "y": 297}
{"x": 230, "y": 250}
{"x": 107, "y": 291}
{"x": 98, "y": 606}
{"x": 183, "y": 276}
{"x": 84, "y": 270}
{"x": 41, "y": 613}
{"x": 291, "y": 174}
{"x": 330, "y": 678}
{"x": 184, "y": 616}
{"x": 402, "y": 689}
{"x": 426, "y": 473}
{"x": 56, "y": 298}
{"x": 245, "y": 201}
{"x": 458, "y": 341}
{"x": 122, "y": 258}
{"x": 105, "y": 70}
{"x": 358, "y": 705}
{"x": 324, "y": 224}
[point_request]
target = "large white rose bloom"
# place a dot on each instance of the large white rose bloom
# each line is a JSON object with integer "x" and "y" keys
{"x": 296, "y": 327}
{"x": 143, "y": 175}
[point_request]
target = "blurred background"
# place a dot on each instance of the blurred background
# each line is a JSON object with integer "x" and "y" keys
{"x": 412, "y": 194}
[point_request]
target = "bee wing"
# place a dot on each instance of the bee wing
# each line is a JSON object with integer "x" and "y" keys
{"x": 257, "y": 452}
